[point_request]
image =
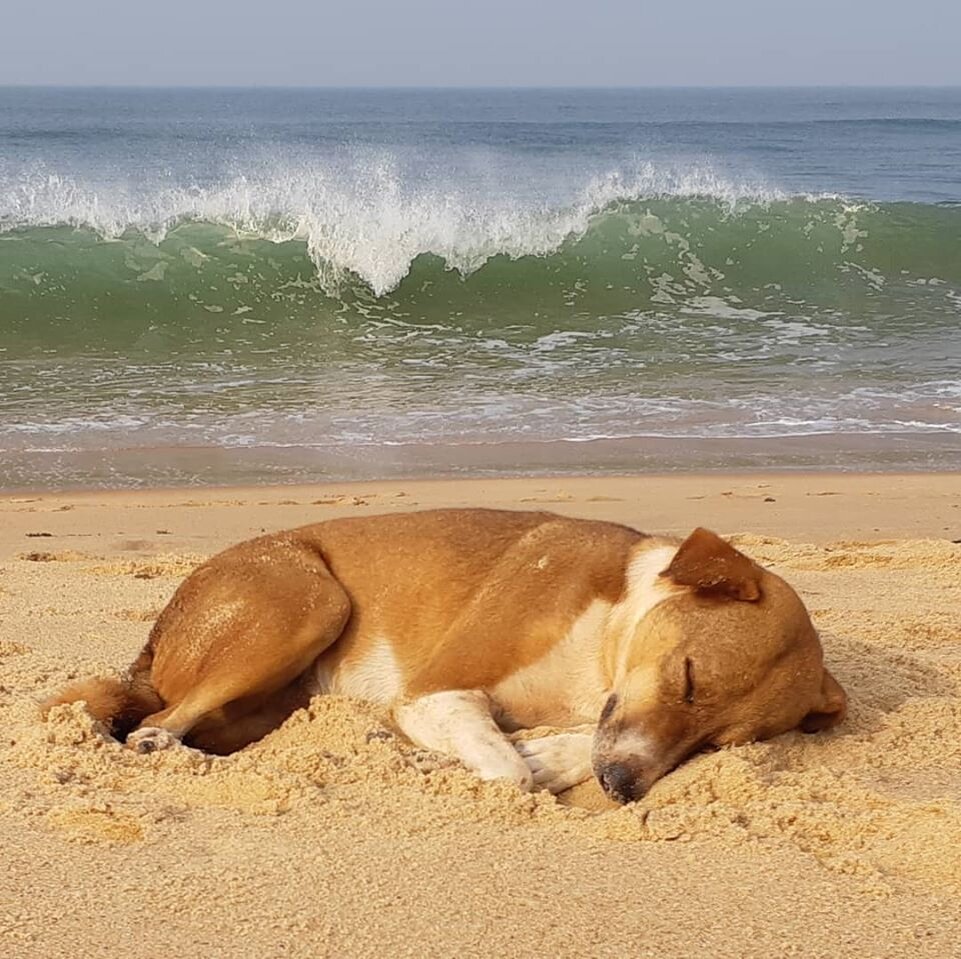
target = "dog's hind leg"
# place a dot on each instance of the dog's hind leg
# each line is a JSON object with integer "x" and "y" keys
{"x": 237, "y": 633}
{"x": 459, "y": 723}
{"x": 244, "y": 721}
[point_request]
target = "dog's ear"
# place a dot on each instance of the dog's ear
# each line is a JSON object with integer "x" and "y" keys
{"x": 831, "y": 708}
{"x": 707, "y": 563}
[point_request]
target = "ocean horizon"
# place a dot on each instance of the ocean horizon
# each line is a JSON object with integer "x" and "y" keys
{"x": 288, "y": 284}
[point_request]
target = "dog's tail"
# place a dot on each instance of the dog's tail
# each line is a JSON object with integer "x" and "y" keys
{"x": 120, "y": 704}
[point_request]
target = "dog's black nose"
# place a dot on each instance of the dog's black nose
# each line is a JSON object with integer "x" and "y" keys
{"x": 620, "y": 782}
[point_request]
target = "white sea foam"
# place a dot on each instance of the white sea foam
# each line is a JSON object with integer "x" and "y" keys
{"x": 366, "y": 217}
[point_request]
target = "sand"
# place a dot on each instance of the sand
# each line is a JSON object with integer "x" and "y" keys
{"x": 334, "y": 837}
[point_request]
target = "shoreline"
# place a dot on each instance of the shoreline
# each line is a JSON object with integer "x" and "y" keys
{"x": 202, "y": 467}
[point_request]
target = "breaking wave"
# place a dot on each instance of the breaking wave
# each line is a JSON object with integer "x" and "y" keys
{"x": 365, "y": 220}
{"x": 289, "y": 245}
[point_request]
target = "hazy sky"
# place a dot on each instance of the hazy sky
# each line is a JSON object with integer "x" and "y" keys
{"x": 496, "y": 42}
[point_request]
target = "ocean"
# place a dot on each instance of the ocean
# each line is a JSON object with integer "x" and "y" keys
{"x": 215, "y": 286}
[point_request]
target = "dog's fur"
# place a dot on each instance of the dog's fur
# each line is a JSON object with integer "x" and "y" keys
{"x": 468, "y": 623}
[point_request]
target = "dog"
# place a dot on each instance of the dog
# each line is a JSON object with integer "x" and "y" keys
{"x": 469, "y": 624}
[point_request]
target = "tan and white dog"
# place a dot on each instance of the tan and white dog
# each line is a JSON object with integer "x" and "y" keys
{"x": 469, "y": 623}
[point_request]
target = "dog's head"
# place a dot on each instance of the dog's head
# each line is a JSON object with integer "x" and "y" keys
{"x": 729, "y": 656}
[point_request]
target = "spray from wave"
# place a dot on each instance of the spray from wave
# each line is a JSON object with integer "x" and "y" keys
{"x": 366, "y": 219}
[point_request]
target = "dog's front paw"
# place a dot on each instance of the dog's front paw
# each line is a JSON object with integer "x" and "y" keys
{"x": 149, "y": 739}
{"x": 558, "y": 762}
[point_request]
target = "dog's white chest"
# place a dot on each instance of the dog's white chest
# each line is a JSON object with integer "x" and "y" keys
{"x": 566, "y": 685}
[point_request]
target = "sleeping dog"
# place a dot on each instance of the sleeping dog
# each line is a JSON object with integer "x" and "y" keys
{"x": 469, "y": 624}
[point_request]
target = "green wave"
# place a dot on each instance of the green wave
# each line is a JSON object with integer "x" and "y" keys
{"x": 65, "y": 288}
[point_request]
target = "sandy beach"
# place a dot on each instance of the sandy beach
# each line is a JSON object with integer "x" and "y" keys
{"x": 334, "y": 837}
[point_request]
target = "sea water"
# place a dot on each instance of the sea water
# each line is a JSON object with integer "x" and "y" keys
{"x": 212, "y": 286}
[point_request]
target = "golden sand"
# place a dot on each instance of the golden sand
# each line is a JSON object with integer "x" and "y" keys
{"x": 334, "y": 836}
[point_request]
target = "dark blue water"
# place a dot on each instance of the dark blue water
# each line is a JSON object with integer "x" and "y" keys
{"x": 882, "y": 144}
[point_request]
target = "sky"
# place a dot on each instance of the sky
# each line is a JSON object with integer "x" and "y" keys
{"x": 493, "y": 43}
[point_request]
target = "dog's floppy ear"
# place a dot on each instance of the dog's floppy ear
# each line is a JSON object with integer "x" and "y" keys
{"x": 707, "y": 563}
{"x": 831, "y": 709}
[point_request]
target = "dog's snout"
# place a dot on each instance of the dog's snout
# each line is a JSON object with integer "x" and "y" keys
{"x": 620, "y": 782}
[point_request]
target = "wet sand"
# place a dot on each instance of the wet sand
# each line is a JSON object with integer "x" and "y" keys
{"x": 335, "y": 837}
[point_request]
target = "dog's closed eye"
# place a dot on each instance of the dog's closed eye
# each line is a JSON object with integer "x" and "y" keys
{"x": 688, "y": 680}
{"x": 609, "y": 707}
